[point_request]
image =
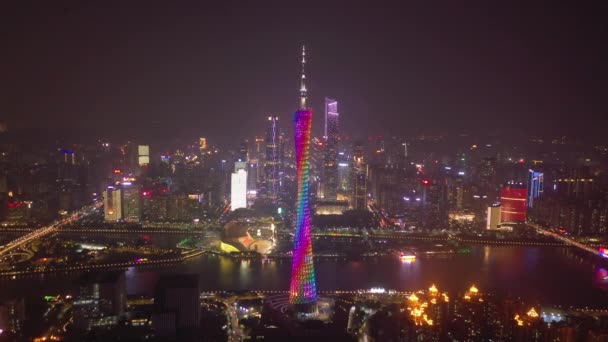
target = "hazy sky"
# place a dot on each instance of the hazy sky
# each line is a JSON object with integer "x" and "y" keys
{"x": 218, "y": 68}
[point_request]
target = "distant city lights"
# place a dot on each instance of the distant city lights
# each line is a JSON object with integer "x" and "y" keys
{"x": 377, "y": 290}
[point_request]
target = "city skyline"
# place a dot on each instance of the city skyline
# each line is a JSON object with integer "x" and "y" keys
{"x": 453, "y": 185}
{"x": 177, "y": 80}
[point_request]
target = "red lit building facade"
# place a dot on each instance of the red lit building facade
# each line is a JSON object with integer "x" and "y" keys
{"x": 513, "y": 202}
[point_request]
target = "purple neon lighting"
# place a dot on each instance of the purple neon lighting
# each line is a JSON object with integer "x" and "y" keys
{"x": 303, "y": 287}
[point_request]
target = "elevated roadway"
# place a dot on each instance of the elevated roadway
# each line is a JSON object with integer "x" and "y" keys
{"x": 73, "y": 216}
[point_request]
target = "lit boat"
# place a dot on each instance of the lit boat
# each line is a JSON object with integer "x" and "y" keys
{"x": 407, "y": 257}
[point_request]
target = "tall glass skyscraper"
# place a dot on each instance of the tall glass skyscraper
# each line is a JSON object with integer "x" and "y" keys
{"x": 330, "y": 162}
{"x": 273, "y": 160}
{"x": 358, "y": 177}
{"x": 535, "y": 186}
{"x": 303, "y": 289}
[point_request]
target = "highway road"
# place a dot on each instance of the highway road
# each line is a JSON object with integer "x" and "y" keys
{"x": 563, "y": 238}
{"x": 87, "y": 210}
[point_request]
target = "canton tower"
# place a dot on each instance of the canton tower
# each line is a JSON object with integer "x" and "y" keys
{"x": 303, "y": 289}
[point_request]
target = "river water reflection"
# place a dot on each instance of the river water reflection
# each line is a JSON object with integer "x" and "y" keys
{"x": 549, "y": 275}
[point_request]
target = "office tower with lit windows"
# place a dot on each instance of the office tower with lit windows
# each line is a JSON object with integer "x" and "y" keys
{"x": 358, "y": 178}
{"x": 330, "y": 163}
{"x": 202, "y": 144}
{"x": 535, "y": 186}
{"x": 112, "y": 205}
{"x": 257, "y": 158}
{"x": 577, "y": 183}
{"x": 12, "y": 317}
{"x": 316, "y": 166}
{"x": 102, "y": 298}
{"x": 303, "y": 288}
{"x": 344, "y": 176}
{"x": 252, "y": 177}
{"x": 131, "y": 202}
{"x": 155, "y": 205}
{"x": 238, "y": 189}
{"x": 135, "y": 158}
{"x": 272, "y": 163}
{"x": 282, "y": 140}
{"x": 143, "y": 155}
{"x": 259, "y": 152}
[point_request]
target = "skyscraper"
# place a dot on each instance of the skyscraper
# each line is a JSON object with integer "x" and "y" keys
{"x": 330, "y": 164}
{"x": 303, "y": 289}
{"x": 252, "y": 177}
{"x": 358, "y": 178}
{"x": 344, "y": 170}
{"x": 238, "y": 189}
{"x": 112, "y": 204}
{"x": 535, "y": 186}
{"x": 316, "y": 166}
{"x": 143, "y": 155}
{"x": 202, "y": 144}
{"x": 272, "y": 165}
{"x": 131, "y": 202}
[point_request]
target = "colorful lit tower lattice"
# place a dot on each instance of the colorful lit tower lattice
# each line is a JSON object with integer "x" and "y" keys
{"x": 303, "y": 290}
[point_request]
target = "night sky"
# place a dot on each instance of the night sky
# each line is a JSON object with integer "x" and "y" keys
{"x": 180, "y": 69}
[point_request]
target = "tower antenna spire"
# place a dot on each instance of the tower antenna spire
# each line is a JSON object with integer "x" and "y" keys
{"x": 303, "y": 80}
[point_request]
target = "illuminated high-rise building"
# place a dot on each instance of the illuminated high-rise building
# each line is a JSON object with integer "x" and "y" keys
{"x": 155, "y": 205}
{"x": 112, "y": 204}
{"x": 513, "y": 200}
{"x": 282, "y": 140}
{"x": 238, "y": 189}
{"x": 131, "y": 202}
{"x": 303, "y": 289}
{"x": 257, "y": 156}
{"x": 252, "y": 177}
{"x": 330, "y": 164}
{"x": 575, "y": 183}
{"x": 272, "y": 165}
{"x": 202, "y": 144}
{"x": 316, "y": 166}
{"x": 344, "y": 176}
{"x": 135, "y": 158}
{"x": 535, "y": 186}
{"x": 143, "y": 155}
{"x": 358, "y": 178}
